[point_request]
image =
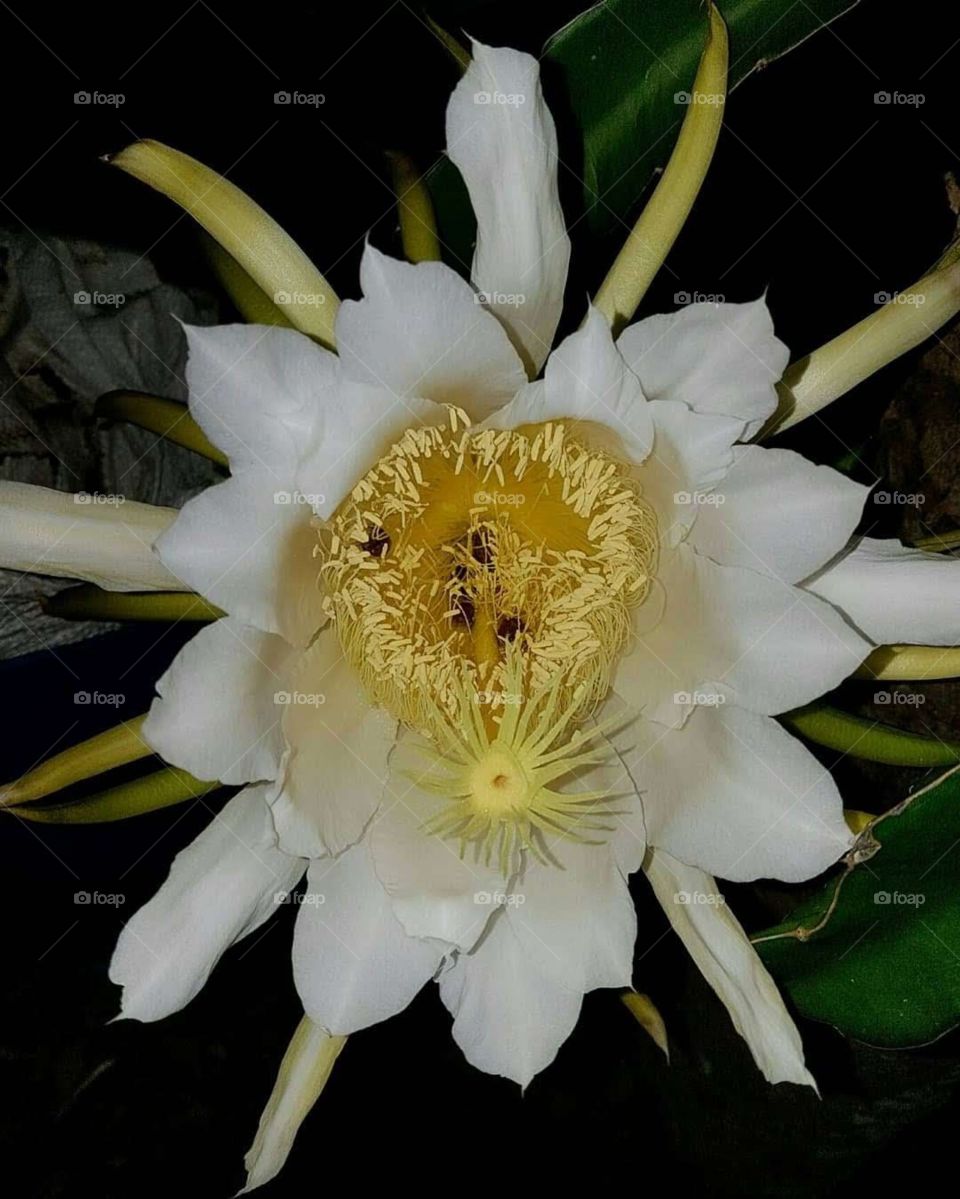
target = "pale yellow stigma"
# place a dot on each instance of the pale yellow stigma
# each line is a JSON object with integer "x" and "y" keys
{"x": 462, "y": 544}
{"x": 500, "y": 786}
{"x": 497, "y": 783}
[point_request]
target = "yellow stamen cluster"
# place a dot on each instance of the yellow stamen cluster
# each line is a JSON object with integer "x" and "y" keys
{"x": 461, "y": 543}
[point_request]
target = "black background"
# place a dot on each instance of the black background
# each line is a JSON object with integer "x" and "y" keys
{"x": 817, "y": 194}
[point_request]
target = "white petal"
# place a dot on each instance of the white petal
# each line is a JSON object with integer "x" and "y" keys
{"x": 359, "y": 424}
{"x": 245, "y": 546}
{"x": 778, "y": 513}
{"x": 528, "y": 407}
{"x": 284, "y": 408}
{"x": 628, "y": 840}
{"x": 712, "y": 633}
{"x": 502, "y": 138}
{"x": 620, "y": 812}
{"x": 220, "y": 888}
{"x": 735, "y": 794}
{"x": 339, "y": 745}
{"x": 510, "y": 1018}
{"x": 256, "y": 392}
{"x": 80, "y": 536}
{"x": 353, "y": 963}
{"x": 721, "y": 949}
{"x": 893, "y": 593}
{"x": 577, "y": 920}
{"x": 715, "y": 357}
{"x": 586, "y": 380}
{"x": 435, "y": 891}
{"x": 216, "y": 715}
{"x": 692, "y": 453}
{"x": 303, "y": 1074}
{"x": 420, "y": 331}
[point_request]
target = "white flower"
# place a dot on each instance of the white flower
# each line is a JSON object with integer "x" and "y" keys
{"x": 413, "y": 527}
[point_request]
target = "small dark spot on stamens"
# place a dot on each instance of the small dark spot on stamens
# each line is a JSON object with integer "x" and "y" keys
{"x": 464, "y": 611}
{"x": 509, "y": 628}
{"x": 378, "y": 542}
{"x": 480, "y": 547}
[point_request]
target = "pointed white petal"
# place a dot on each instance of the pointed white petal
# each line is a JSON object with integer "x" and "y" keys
{"x": 352, "y": 962}
{"x": 339, "y": 745}
{"x": 722, "y": 358}
{"x": 501, "y": 136}
{"x": 577, "y": 920}
{"x": 81, "y": 536}
{"x": 220, "y": 888}
{"x": 692, "y": 454}
{"x": 436, "y": 891}
{"x": 778, "y": 513}
{"x": 715, "y": 634}
{"x": 420, "y": 331}
{"x": 249, "y": 548}
{"x": 586, "y": 381}
{"x": 257, "y": 392}
{"x": 304, "y": 1072}
{"x": 510, "y": 1017}
{"x": 893, "y": 593}
{"x": 721, "y": 949}
{"x": 215, "y": 714}
{"x": 735, "y": 794}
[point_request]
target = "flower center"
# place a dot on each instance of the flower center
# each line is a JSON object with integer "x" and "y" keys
{"x": 498, "y": 782}
{"x": 461, "y": 543}
{"x": 499, "y": 786}
{"x": 481, "y": 583}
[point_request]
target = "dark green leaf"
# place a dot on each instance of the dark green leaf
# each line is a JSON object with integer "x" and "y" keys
{"x": 885, "y": 966}
{"x": 624, "y": 62}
